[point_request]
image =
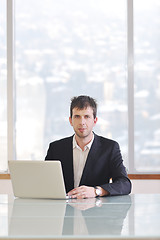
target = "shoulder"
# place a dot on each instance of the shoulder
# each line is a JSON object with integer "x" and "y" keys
{"x": 59, "y": 149}
{"x": 62, "y": 141}
{"x": 104, "y": 142}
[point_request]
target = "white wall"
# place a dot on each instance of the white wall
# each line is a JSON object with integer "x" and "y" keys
{"x": 145, "y": 186}
{"x": 138, "y": 186}
{"x": 6, "y": 187}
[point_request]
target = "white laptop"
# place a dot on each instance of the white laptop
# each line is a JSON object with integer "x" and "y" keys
{"x": 37, "y": 179}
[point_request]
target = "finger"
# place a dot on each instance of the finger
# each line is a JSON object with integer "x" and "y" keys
{"x": 79, "y": 195}
{"x": 72, "y": 192}
{"x": 82, "y": 195}
{"x": 79, "y": 192}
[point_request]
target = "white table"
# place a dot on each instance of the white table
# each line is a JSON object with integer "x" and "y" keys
{"x": 120, "y": 217}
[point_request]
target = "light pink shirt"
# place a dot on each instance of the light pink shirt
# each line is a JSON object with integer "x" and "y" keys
{"x": 79, "y": 160}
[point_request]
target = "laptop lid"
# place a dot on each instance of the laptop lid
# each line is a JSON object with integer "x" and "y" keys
{"x": 37, "y": 179}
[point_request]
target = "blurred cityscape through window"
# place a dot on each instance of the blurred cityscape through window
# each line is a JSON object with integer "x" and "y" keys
{"x": 65, "y": 49}
{"x": 147, "y": 84}
{"x": 69, "y": 48}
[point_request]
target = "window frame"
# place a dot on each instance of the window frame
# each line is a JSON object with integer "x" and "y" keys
{"x": 10, "y": 81}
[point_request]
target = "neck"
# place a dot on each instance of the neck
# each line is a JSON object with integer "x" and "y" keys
{"x": 82, "y": 142}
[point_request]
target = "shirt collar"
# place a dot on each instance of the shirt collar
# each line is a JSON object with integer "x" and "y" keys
{"x": 75, "y": 145}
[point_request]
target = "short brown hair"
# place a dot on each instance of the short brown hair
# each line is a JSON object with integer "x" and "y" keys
{"x": 82, "y": 102}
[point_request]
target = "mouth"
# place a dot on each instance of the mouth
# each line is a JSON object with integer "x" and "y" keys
{"x": 81, "y": 129}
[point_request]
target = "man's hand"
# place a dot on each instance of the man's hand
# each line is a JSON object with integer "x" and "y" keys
{"x": 82, "y": 192}
{"x": 85, "y": 192}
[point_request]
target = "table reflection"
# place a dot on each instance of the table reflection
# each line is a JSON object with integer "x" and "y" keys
{"x": 120, "y": 217}
{"x": 99, "y": 216}
{"x": 31, "y": 217}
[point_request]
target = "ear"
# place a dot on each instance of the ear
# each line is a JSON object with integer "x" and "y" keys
{"x": 70, "y": 120}
{"x": 95, "y": 121}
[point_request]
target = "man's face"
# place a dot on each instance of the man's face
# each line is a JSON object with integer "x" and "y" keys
{"x": 83, "y": 121}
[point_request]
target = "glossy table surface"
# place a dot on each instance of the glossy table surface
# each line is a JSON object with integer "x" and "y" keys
{"x": 119, "y": 217}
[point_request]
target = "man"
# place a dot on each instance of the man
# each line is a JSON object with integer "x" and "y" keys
{"x": 89, "y": 161}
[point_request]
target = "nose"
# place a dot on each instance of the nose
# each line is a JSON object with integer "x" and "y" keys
{"x": 82, "y": 121}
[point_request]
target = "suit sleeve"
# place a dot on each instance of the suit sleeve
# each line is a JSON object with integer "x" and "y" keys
{"x": 121, "y": 184}
{"x": 50, "y": 154}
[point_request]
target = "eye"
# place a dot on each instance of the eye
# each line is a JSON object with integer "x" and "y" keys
{"x": 87, "y": 116}
{"x": 76, "y": 116}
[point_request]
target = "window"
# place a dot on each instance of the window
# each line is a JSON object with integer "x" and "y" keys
{"x": 62, "y": 51}
{"x": 147, "y": 85}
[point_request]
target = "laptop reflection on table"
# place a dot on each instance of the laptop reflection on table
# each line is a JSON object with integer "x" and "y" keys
{"x": 37, "y": 217}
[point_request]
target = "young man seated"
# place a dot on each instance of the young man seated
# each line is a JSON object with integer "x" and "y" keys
{"x": 89, "y": 161}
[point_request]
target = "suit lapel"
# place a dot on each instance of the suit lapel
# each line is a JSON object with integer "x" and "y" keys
{"x": 91, "y": 159}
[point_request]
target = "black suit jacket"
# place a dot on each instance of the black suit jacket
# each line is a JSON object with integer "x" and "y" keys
{"x": 104, "y": 162}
